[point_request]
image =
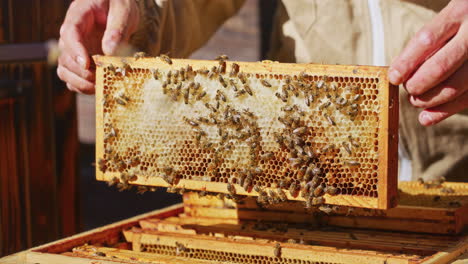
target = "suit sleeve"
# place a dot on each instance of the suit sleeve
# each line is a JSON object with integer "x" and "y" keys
{"x": 179, "y": 27}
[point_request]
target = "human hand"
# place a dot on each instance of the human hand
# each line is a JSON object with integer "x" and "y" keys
{"x": 92, "y": 27}
{"x": 433, "y": 66}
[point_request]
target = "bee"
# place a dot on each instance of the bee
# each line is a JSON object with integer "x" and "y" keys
{"x": 329, "y": 119}
{"x": 221, "y": 80}
{"x": 201, "y": 95}
{"x": 350, "y": 211}
{"x": 186, "y": 95}
{"x": 191, "y": 122}
{"x": 300, "y": 131}
{"x": 111, "y": 68}
{"x": 222, "y": 66}
{"x": 353, "y": 142}
{"x": 309, "y": 98}
{"x": 341, "y": 101}
{"x": 318, "y": 200}
{"x": 352, "y": 236}
{"x": 325, "y": 209}
{"x": 99, "y": 254}
{"x": 447, "y": 190}
{"x": 221, "y": 95}
{"x": 320, "y": 84}
{"x": 247, "y": 112}
{"x": 281, "y": 195}
{"x": 155, "y": 73}
{"x": 120, "y": 101}
{"x": 102, "y": 165}
{"x": 142, "y": 189}
{"x": 123, "y": 186}
{"x": 222, "y": 57}
{"x": 356, "y": 97}
{"x": 266, "y": 156}
{"x": 327, "y": 148}
{"x": 352, "y": 163}
{"x": 247, "y": 89}
{"x": 139, "y": 55}
{"x": 132, "y": 177}
{"x": 293, "y": 188}
{"x": 318, "y": 191}
{"x": 281, "y": 97}
{"x": 165, "y": 58}
{"x": 436, "y": 198}
{"x": 210, "y": 107}
{"x": 265, "y": 83}
{"x": 203, "y": 71}
{"x": 347, "y": 148}
{"x": 211, "y": 74}
{"x": 277, "y": 250}
{"x": 180, "y": 248}
{"x": 331, "y": 190}
{"x": 113, "y": 181}
{"x": 420, "y": 180}
{"x": 242, "y": 77}
{"x": 239, "y": 93}
{"x": 324, "y": 105}
{"x": 234, "y": 69}
{"x": 231, "y": 189}
{"x": 248, "y": 181}
{"x": 233, "y": 84}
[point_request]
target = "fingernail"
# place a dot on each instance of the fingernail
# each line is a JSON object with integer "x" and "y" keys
{"x": 394, "y": 76}
{"x": 81, "y": 61}
{"x": 426, "y": 119}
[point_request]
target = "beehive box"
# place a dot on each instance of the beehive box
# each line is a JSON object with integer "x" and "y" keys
{"x": 279, "y": 131}
{"x": 436, "y": 210}
{"x": 219, "y": 241}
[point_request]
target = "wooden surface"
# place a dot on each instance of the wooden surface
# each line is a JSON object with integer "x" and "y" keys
{"x": 387, "y": 139}
{"x": 170, "y": 226}
{"x": 427, "y": 217}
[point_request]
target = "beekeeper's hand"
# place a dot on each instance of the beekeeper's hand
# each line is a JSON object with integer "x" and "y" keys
{"x": 92, "y": 27}
{"x": 433, "y": 66}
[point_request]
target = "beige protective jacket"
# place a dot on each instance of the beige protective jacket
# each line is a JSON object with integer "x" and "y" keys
{"x": 366, "y": 32}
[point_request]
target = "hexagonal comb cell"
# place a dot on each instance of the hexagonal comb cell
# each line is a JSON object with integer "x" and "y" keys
{"x": 316, "y": 133}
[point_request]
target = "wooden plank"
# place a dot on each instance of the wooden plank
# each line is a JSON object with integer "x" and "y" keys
{"x": 383, "y": 173}
{"x": 122, "y": 255}
{"x": 362, "y": 239}
{"x": 109, "y": 234}
{"x": 423, "y": 218}
{"x": 265, "y": 248}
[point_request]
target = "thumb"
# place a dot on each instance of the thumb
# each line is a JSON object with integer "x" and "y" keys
{"x": 120, "y": 20}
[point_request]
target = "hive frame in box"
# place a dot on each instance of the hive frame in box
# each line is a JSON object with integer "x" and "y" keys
{"x": 59, "y": 252}
{"x": 387, "y": 124}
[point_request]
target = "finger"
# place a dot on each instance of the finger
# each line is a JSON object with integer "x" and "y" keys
{"x": 72, "y": 43}
{"x": 432, "y": 116}
{"x": 74, "y": 80}
{"x": 445, "y": 92}
{"x": 66, "y": 61}
{"x": 120, "y": 24}
{"x": 441, "y": 65}
{"x": 429, "y": 39}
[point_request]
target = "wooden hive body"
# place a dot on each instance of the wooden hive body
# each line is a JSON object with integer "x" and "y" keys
{"x": 250, "y": 129}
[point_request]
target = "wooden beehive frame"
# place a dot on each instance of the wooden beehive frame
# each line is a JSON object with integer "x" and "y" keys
{"x": 62, "y": 251}
{"x": 387, "y": 123}
{"x": 411, "y": 218}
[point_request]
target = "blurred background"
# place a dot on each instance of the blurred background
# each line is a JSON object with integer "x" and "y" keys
{"x": 47, "y": 134}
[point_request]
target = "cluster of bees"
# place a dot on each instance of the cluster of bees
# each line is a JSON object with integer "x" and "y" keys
{"x": 239, "y": 126}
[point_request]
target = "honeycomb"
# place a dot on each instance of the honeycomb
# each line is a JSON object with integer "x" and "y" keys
{"x": 314, "y": 133}
{"x": 222, "y": 256}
